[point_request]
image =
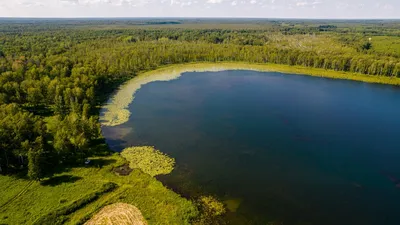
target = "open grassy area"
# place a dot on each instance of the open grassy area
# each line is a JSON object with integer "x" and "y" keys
{"x": 78, "y": 193}
{"x": 388, "y": 45}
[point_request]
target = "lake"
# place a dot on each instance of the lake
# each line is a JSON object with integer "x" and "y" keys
{"x": 276, "y": 148}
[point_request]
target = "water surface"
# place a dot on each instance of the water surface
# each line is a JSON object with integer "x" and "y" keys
{"x": 287, "y": 149}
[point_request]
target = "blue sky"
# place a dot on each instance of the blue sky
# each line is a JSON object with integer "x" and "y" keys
{"x": 202, "y": 8}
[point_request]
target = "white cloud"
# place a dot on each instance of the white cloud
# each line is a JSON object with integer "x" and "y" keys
{"x": 30, "y": 3}
{"x": 388, "y": 6}
{"x": 214, "y": 1}
{"x": 202, "y": 8}
{"x": 70, "y": 2}
{"x": 308, "y": 3}
{"x": 110, "y": 2}
{"x": 186, "y": 4}
{"x": 342, "y": 5}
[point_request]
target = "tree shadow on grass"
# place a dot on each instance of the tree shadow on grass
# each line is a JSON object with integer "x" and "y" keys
{"x": 57, "y": 180}
{"x": 99, "y": 163}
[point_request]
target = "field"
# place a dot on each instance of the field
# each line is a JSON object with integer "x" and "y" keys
{"x": 27, "y": 202}
{"x": 386, "y": 45}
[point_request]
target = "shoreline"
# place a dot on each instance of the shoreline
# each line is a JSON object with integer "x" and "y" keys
{"x": 282, "y": 68}
{"x": 115, "y": 111}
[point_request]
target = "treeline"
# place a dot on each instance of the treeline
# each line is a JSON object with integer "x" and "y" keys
{"x": 127, "y": 59}
{"x": 295, "y": 26}
{"x": 51, "y": 82}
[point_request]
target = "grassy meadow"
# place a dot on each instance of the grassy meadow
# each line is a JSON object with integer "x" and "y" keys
{"x": 386, "y": 45}
{"x": 29, "y": 202}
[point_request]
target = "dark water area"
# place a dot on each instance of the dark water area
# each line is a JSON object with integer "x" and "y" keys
{"x": 287, "y": 149}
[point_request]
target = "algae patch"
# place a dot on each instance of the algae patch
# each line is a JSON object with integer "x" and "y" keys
{"x": 149, "y": 160}
{"x": 233, "y": 204}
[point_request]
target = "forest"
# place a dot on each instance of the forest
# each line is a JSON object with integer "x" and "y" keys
{"x": 55, "y": 74}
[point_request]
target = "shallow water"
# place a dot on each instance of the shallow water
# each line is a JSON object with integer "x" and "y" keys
{"x": 287, "y": 149}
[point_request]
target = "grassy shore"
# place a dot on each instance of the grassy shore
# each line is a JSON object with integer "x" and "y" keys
{"x": 269, "y": 67}
{"x": 73, "y": 196}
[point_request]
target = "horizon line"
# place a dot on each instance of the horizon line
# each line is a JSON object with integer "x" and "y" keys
{"x": 187, "y": 17}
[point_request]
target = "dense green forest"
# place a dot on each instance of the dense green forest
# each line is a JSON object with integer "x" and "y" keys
{"x": 54, "y": 73}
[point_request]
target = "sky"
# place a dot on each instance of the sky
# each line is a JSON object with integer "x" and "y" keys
{"x": 329, "y": 9}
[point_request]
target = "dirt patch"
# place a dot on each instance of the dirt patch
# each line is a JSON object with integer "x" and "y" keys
{"x": 118, "y": 214}
{"x": 124, "y": 170}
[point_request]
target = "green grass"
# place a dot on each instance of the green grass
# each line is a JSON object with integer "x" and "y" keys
{"x": 11, "y": 187}
{"x": 79, "y": 193}
{"x": 387, "y": 45}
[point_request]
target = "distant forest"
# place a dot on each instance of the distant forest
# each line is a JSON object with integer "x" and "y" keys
{"x": 55, "y": 73}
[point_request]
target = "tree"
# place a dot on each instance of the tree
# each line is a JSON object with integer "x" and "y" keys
{"x": 35, "y": 159}
{"x": 34, "y": 164}
{"x": 35, "y": 96}
{"x": 366, "y": 46}
{"x": 18, "y": 130}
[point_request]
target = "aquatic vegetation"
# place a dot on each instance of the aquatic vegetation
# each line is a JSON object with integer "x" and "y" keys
{"x": 149, "y": 160}
{"x": 116, "y": 112}
{"x": 233, "y": 204}
{"x": 212, "y": 206}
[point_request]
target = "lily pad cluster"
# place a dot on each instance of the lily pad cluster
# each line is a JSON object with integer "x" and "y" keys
{"x": 149, "y": 160}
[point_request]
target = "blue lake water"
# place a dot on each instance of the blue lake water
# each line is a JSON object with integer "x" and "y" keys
{"x": 287, "y": 149}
